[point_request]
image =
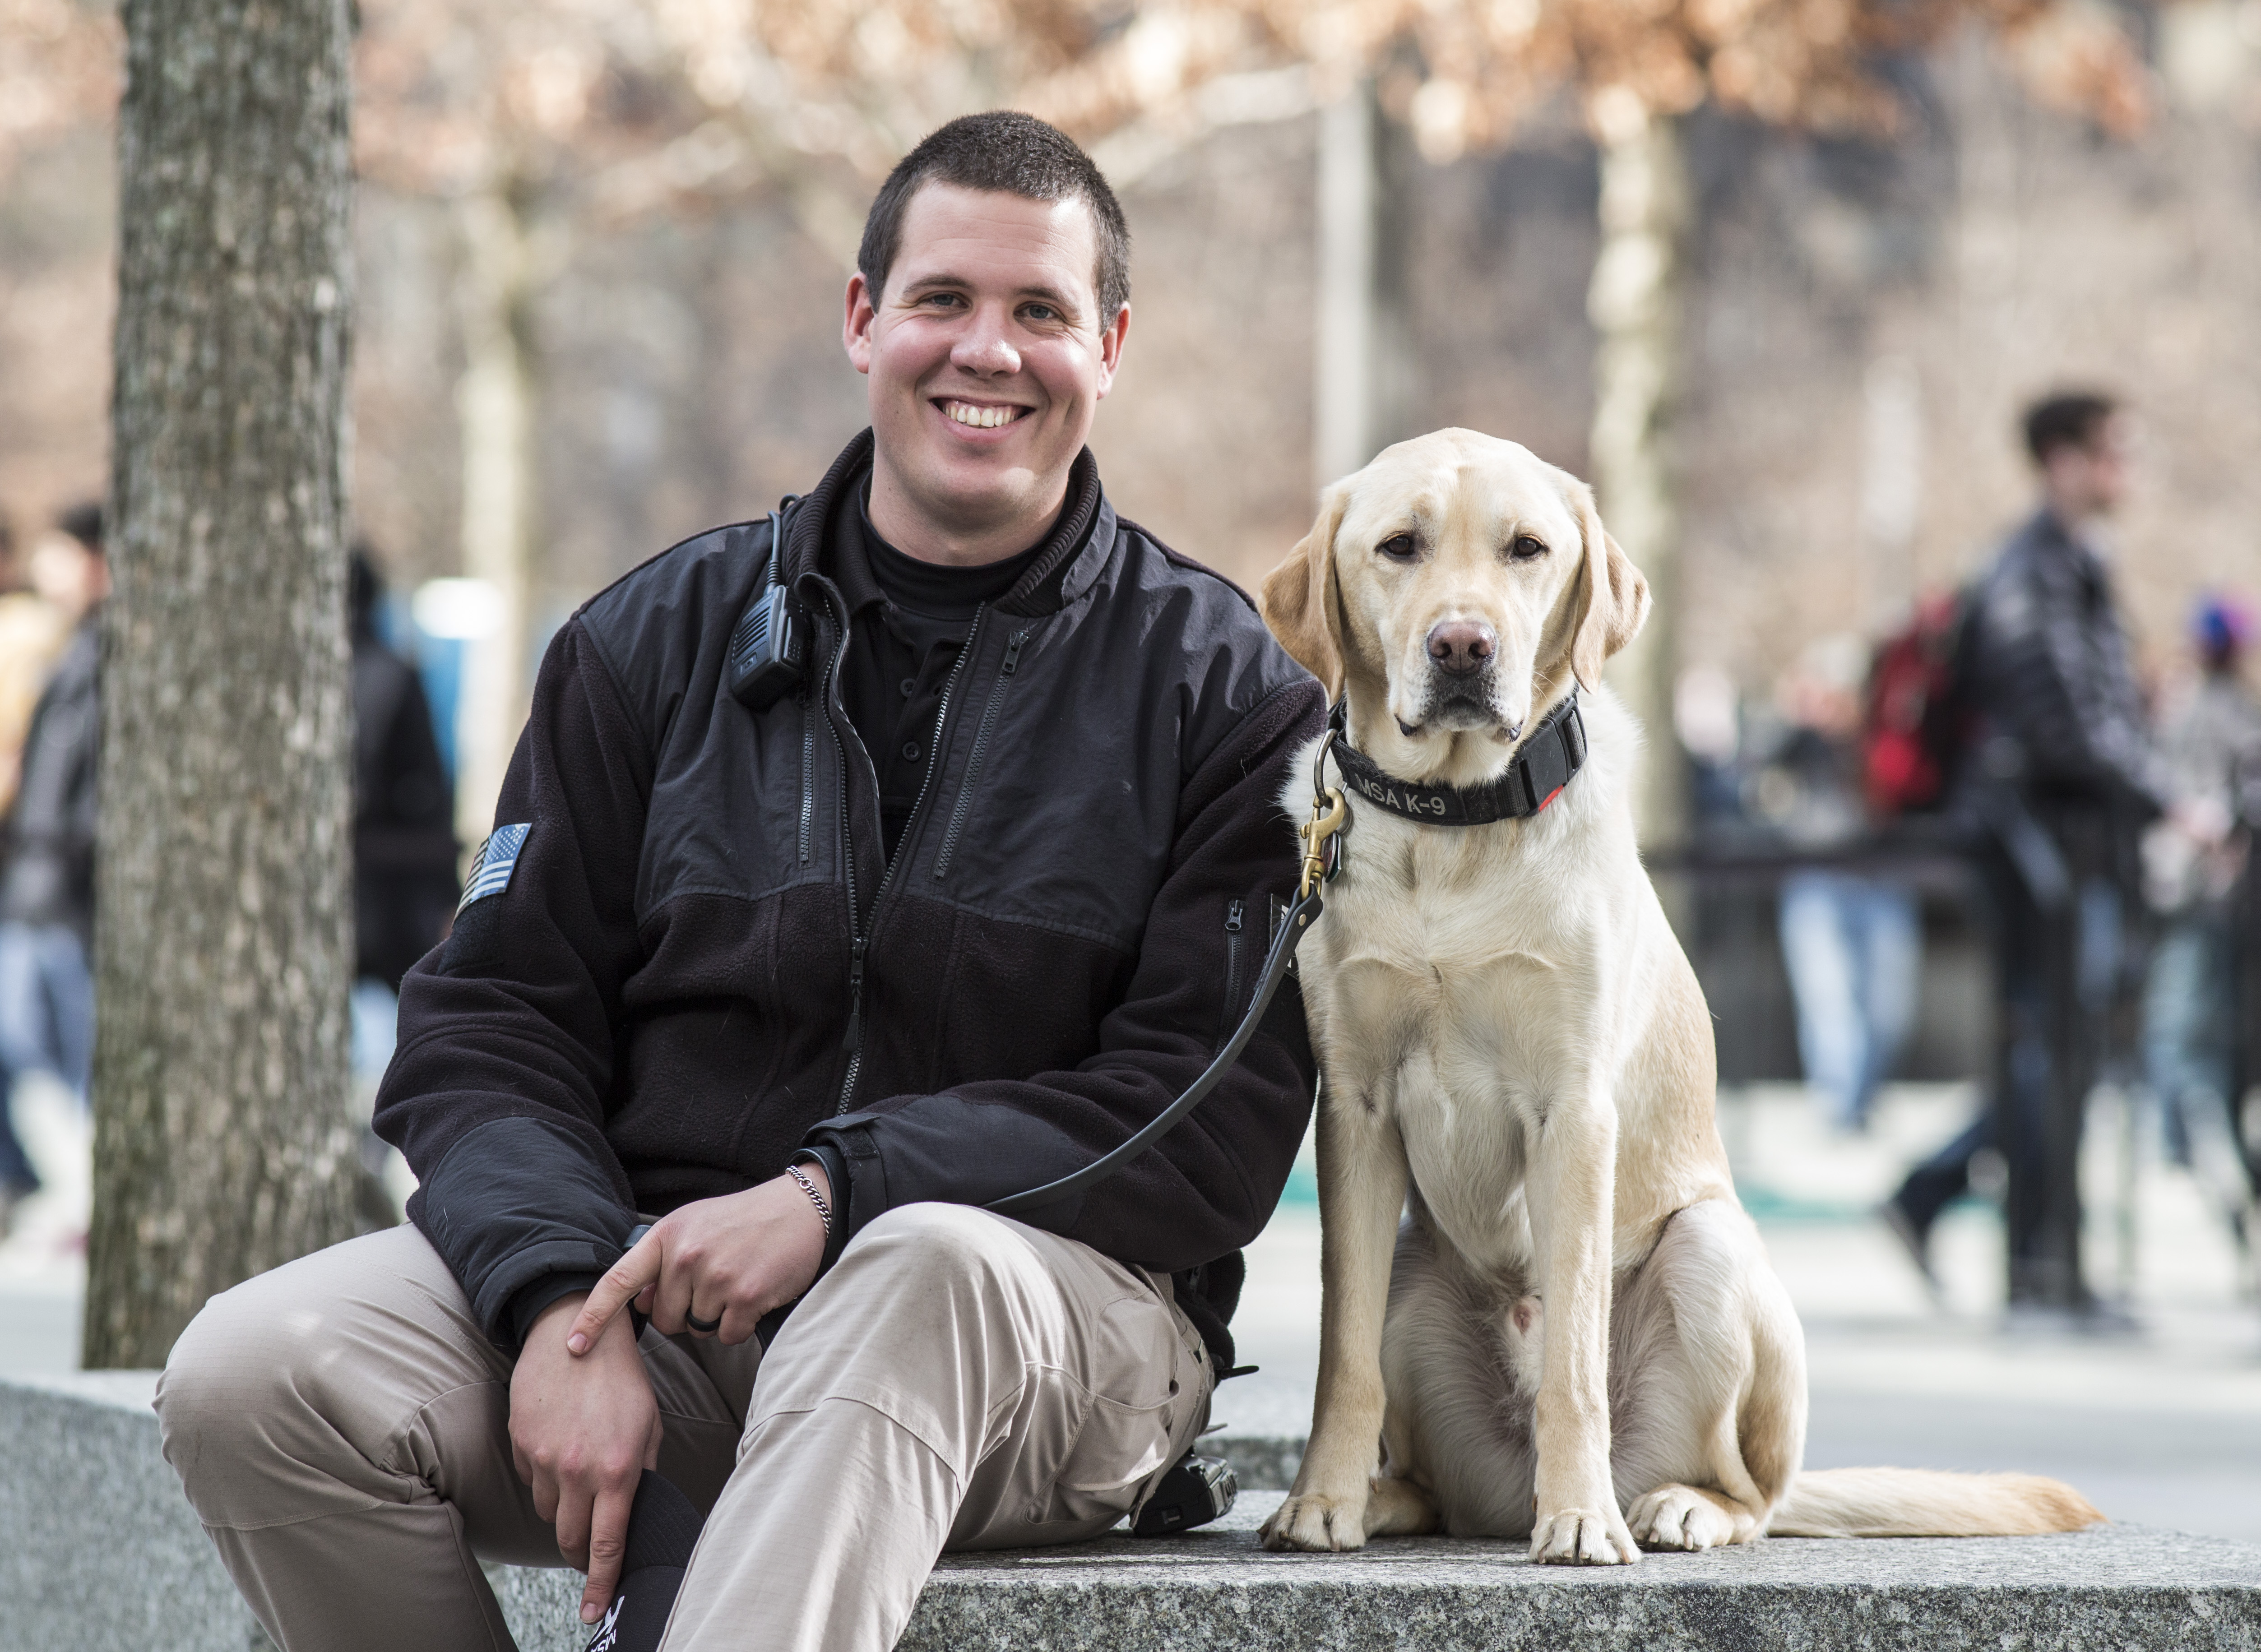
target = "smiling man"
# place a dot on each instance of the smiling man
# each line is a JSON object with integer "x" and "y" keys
{"x": 806, "y": 986}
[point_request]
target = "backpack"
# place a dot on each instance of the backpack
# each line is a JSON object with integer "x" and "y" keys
{"x": 1912, "y": 722}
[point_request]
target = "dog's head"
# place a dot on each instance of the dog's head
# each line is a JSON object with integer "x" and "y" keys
{"x": 1455, "y": 588}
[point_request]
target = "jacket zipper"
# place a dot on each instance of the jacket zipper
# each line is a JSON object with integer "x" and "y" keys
{"x": 981, "y": 744}
{"x": 809, "y": 713}
{"x": 1232, "y": 922}
{"x": 860, "y": 938}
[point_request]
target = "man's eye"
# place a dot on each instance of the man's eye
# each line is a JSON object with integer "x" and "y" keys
{"x": 1041, "y": 312}
{"x": 1525, "y": 547}
{"x": 1398, "y": 547}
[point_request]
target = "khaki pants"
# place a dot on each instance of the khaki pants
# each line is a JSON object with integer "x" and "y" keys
{"x": 957, "y": 1380}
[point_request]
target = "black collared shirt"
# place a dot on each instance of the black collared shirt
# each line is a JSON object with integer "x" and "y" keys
{"x": 907, "y": 620}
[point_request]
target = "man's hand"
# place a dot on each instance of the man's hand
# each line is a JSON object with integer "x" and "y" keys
{"x": 582, "y": 1431}
{"x": 729, "y": 1259}
{"x": 2205, "y": 821}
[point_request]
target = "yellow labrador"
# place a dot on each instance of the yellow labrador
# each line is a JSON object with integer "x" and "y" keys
{"x": 1574, "y": 1334}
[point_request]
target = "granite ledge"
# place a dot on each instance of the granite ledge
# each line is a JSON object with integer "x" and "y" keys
{"x": 82, "y": 1488}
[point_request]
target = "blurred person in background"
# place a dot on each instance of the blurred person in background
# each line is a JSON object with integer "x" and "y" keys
{"x": 1852, "y": 942}
{"x": 35, "y": 623}
{"x": 1707, "y": 715}
{"x": 31, "y": 630}
{"x": 47, "y": 894}
{"x": 2058, "y": 766}
{"x": 2210, "y": 737}
{"x": 405, "y": 848}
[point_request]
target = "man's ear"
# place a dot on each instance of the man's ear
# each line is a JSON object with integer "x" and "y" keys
{"x": 1301, "y": 603}
{"x": 856, "y": 326}
{"x": 1612, "y": 599}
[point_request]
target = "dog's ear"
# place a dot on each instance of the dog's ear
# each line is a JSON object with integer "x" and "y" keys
{"x": 1612, "y": 597}
{"x": 1301, "y": 603}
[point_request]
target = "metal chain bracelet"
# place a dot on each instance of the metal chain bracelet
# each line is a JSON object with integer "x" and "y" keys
{"x": 823, "y": 1208}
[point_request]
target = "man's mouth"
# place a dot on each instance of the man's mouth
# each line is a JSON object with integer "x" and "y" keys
{"x": 980, "y": 416}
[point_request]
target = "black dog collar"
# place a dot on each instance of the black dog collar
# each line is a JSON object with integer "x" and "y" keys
{"x": 1543, "y": 766}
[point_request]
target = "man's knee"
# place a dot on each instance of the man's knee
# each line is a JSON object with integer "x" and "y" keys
{"x": 307, "y": 1374}
{"x": 917, "y": 1279}
{"x": 234, "y": 1374}
{"x": 946, "y": 1249}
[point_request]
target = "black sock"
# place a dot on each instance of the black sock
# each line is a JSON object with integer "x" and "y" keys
{"x": 663, "y": 1528}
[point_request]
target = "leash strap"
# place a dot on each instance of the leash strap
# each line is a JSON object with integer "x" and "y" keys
{"x": 1555, "y": 751}
{"x": 1299, "y": 919}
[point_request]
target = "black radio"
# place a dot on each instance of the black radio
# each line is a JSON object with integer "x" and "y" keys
{"x": 769, "y": 651}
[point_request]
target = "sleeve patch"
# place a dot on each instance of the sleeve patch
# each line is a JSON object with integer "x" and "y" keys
{"x": 497, "y": 859}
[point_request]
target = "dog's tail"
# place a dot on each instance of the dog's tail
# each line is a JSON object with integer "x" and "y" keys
{"x": 1926, "y": 1503}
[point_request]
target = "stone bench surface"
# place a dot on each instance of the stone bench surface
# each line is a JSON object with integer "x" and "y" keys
{"x": 99, "y": 1552}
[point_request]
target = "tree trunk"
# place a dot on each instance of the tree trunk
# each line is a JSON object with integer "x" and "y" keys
{"x": 1634, "y": 302}
{"x": 223, "y": 1144}
{"x": 495, "y": 404}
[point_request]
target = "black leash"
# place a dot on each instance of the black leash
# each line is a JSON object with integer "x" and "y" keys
{"x": 1322, "y": 859}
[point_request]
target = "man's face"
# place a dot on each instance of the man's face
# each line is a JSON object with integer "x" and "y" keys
{"x": 987, "y": 357}
{"x": 2091, "y": 479}
{"x": 67, "y": 574}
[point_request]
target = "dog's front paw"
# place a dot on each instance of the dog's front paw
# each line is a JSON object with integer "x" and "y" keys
{"x": 1676, "y": 1516}
{"x": 1582, "y": 1537}
{"x": 1313, "y": 1521}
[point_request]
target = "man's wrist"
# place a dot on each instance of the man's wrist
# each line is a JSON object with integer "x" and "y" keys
{"x": 560, "y": 1309}
{"x": 534, "y": 1299}
{"x": 825, "y": 1161}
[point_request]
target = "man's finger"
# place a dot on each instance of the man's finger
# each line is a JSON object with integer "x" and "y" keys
{"x": 608, "y": 1541}
{"x": 618, "y": 1287}
{"x": 570, "y": 1515}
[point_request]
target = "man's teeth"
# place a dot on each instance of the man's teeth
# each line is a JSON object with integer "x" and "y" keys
{"x": 966, "y": 413}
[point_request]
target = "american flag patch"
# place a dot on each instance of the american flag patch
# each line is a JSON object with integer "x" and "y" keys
{"x": 498, "y": 858}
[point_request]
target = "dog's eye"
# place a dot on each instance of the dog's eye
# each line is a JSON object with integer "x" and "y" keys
{"x": 1398, "y": 547}
{"x": 1525, "y": 547}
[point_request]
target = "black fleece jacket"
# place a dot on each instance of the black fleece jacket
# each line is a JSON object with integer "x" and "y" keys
{"x": 699, "y": 962}
{"x": 2059, "y": 711}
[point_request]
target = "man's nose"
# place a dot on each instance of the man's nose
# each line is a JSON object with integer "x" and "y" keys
{"x": 1461, "y": 646}
{"x": 983, "y": 348}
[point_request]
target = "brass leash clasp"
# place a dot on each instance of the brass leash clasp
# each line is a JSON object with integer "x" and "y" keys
{"x": 1328, "y": 813}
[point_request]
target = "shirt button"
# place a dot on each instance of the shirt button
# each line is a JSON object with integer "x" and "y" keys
{"x": 910, "y": 686}
{"x": 910, "y": 750}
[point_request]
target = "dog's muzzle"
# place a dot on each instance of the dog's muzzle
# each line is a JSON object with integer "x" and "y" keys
{"x": 1462, "y": 701}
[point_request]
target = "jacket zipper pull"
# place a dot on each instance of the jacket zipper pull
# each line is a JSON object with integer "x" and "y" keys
{"x": 1013, "y": 653}
{"x": 1232, "y": 919}
{"x": 855, "y": 998}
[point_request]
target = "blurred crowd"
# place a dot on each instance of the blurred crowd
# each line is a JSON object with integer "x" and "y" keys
{"x": 2101, "y": 818}
{"x": 52, "y": 587}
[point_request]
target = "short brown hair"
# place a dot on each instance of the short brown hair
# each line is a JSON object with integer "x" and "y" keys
{"x": 1011, "y": 154}
{"x": 2069, "y": 419}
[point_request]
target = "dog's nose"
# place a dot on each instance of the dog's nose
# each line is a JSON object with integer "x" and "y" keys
{"x": 1460, "y": 646}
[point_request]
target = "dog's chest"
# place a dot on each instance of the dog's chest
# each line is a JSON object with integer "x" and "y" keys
{"x": 1452, "y": 1005}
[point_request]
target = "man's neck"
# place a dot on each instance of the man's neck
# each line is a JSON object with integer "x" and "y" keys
{"x": 967, "y": 544}
{"x": 2079, "y": 520}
